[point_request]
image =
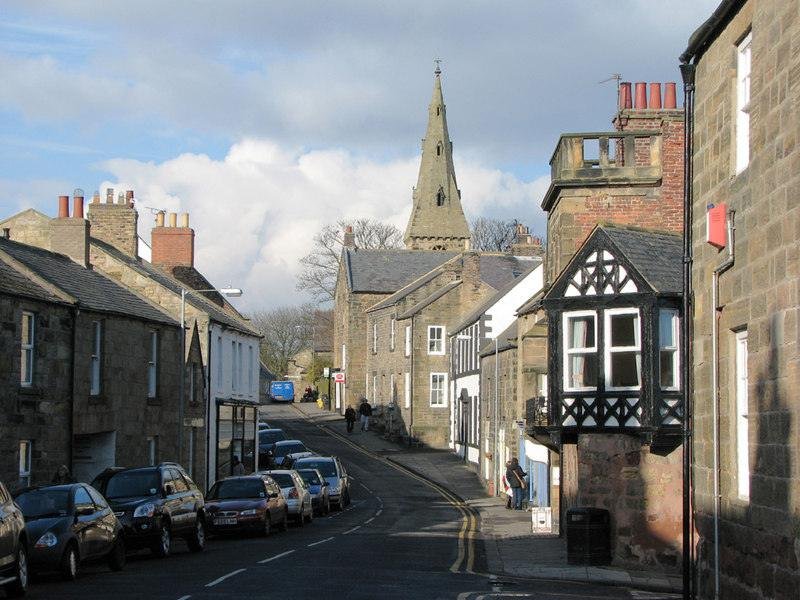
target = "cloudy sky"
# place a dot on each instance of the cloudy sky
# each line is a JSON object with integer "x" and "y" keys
{"x": 266, "y": 119}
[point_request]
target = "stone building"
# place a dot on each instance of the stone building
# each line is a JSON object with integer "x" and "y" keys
{"x": 629, "y": 177}
{"x": 746, "y": 309}
{"x": 97, "y": 366}
{"x": 408, "y": 350}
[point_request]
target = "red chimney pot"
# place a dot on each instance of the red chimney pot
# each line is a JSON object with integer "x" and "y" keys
{"x": 77, "y": 207}
{"x": 625, "y": 95}
{"x": 670, "y": 100}
{"x": 655, "y": 95}
{"x": 63, "y": 207}
{"x": 641, "y": 95}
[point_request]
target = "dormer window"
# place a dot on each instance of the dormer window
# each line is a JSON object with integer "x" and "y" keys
{"x": 440, "y": 197}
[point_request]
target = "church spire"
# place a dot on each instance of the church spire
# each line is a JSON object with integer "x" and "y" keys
{"x": 437, "y": 220}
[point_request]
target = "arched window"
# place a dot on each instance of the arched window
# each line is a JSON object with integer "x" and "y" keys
{"x": 440, "y": 197}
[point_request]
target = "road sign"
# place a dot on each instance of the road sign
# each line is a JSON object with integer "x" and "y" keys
{"x": 338, "y": 377}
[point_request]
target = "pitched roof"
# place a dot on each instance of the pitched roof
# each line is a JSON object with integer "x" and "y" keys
{"x": 17, "y": 284}
{"x": 704, "y": 35}
{"x": 91, "y": 289}
{"x": 505, "y": 341}
{"x": 199, "y": 301}
{"x": 497, "y": 270}
{"x": 657, "y": 256}
{"x": 386, "y": 271}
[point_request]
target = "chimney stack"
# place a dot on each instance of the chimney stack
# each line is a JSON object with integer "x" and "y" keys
{"x": 526, "y": 244}
{"x": 115, "y": 222}
{"x": 70, "y": 235}
{"x": 172, "y": 246}
{"x": 349, "y": 237}
{"x": 96, "y": 197}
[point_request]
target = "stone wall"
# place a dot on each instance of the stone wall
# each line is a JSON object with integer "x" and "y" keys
{"x": 29, "y": 227}
{"x": 40, "y": 413}
{"x": 760, "y": 536}
{"x": 115, "y": 224}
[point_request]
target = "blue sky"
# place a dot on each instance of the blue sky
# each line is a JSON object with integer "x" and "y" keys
{"x": 248, "y": 104}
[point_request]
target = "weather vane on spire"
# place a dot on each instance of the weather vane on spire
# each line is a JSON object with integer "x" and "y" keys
{"x": 438, "y": 70}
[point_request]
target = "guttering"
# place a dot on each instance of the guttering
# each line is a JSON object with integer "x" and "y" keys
{"x": 721, "y": 268}
{"x": 687, "y": 73}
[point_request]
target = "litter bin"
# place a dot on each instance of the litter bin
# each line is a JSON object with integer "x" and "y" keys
{"x": 588, "y": 536}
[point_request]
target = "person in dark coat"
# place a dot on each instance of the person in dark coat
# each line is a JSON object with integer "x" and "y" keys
{"x": 238, "y": 467}
{"x": 365, "y": 410}
{"x": 350, "y": 417}
{"x": 62, "y": 476}
{"x": 516, "y": 480}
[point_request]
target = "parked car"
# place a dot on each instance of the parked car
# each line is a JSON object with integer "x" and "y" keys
{"x": 248, "y": 503}
{"x": 281, "y": 391}
{"x": 294, "y": 489}
{"x": 266, "y": 444}
{"x": 155, "y": 505}
{"x": 318, "y": 488}
{"x": 264, "y": 425}
{"x": 284, "y": 447}
{"x": 69, "y": 525}
{"x": 290, "y": 459}
{"x": 13, "y": 547}
{"x": 334, "y": 473}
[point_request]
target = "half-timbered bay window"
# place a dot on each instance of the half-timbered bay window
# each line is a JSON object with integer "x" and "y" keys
{"x": 623, "y": 359}
{"x": 669, "y": 356}
{"x": 580, "y": 355}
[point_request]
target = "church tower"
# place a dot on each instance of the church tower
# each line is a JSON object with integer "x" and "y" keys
{"x": 437, "y": 220}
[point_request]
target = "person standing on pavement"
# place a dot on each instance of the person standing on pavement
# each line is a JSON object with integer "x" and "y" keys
{"x": 365, "y": 410}
{"x": 516, "y": 479}
{"x": 238, "y": 467}
{"x": 350, "y": 417}
{"x": 507, "y": 488}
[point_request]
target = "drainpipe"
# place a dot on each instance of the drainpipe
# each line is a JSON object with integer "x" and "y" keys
{"x": 496, "y": 420}
{"x": 411, "y": 387}
{"x": 687, "y": 73}
{"x": 721, "y": 268}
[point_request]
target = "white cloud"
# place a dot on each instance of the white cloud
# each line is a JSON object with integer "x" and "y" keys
{"x": 255, "y": 211}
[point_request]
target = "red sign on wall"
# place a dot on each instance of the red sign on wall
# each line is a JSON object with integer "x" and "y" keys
{"x": 716, "y": 225}
{"x": 338, "y": 377}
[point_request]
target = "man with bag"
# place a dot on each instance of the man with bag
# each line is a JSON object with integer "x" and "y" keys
{"x": 516, "y": 479}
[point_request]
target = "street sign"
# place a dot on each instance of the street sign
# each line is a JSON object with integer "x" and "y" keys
{"x": 338, "y": 377}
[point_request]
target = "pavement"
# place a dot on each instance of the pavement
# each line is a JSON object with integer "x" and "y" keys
{"x": 511, "y": 548}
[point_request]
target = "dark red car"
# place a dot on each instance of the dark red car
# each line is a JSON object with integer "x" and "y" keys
{"x": 251, "y": 503}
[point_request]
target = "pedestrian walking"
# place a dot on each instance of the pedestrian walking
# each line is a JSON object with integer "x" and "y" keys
{"x": 350, "y": 417}
{"x": 516, "y": 479}
{"x": 62, "y": 476}
{"x": 365, "y": 410}
{"x": 507, "y": 488}
{"x": 238, "y": 467}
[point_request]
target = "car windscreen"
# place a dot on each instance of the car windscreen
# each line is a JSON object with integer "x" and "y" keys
{"x": 128, "y": 484}
{"x": 284, "y": 449}
{"x": 310, "y": 477}
{"x": 36, "y": 504}
{"x": 237, "y": 488}
{"x": 283, "y": 479}
{"x": 326, "y": 467}
{"x": 270, "y": 436}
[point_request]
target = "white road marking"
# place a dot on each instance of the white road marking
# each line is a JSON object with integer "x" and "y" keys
{"x": 370, "y": 520}
{"x": 365, "y": 487}
{"x": 320, "y": 542}
{"x": 378, "y": 512}
{"x": 184, "y": 598}
{"x": 276, "y": 557}
{"x": 224, "y": 577}
{"x": 357, "y": 527}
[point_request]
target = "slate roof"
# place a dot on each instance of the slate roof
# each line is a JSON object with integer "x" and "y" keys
{"x": 657, "y": 256}
{"x": 197, "y": 300}
{"x": 386, "y": 271}
{"x": 91, "y": 289}
{"x": 17, "y": 284}
{"x": 499, "y": 269}
{"x": 505, "y": 341}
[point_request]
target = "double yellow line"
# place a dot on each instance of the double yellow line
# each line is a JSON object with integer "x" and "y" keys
{"x": 469, "y": 519}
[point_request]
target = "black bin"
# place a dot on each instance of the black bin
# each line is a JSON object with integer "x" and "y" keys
{"x": 588, "y": 536}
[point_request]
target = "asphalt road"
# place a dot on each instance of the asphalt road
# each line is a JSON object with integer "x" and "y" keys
{"x": 398, "y": 539}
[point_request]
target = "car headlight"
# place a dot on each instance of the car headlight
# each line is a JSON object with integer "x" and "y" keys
{"x": 249, "y": 513}
{"x": 48, "y": 540}
{"x": 333, "y": 489}
{"x": 145, "y": 510}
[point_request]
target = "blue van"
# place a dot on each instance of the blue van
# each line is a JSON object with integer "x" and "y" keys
{"x": 282, "y": 391}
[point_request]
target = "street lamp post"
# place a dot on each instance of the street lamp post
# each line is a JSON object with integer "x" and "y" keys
{"x": 231, "y": 293}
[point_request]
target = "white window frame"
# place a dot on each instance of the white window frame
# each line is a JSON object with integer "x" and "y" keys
{"x": 344, "y": 357}
{"x": 240, "y": 365}
{"x": 407, "y": 388}
{"x": 250, "y": 369}
{"x": 743, "y": 71}
{"x": 28, "y": 350}
{"x": 374, "y": 338}
{"x": 391, "y": 334}
{"x": 374, "y": 387}
{"x": 95, "y": 384}
{"x": 742, "y": 414}
{"x": 675, "y": 348}
{"x": 440, "y": 340}
{"x": 608, "y": 350}
{"x": 152, "y": 366}
{"x": 392, "y": 394}
{"x": 408, "y": 340}
{"x": 568, "y": 353}
{"x": 443, "y": 390}
{"x": 25, "y": 463}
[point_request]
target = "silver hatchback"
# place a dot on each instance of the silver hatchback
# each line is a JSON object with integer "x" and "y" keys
{"x": 295, "y": 490}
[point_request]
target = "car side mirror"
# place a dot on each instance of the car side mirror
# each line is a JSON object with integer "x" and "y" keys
{"x": 83, "y": 511}
{"x": 169, "y": 490}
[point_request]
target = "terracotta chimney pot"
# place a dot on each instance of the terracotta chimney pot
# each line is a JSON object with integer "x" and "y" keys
{"x": 641, "y": 95}
{"x": 625, "y": 95}
{"x": 655, "y": 95}
{"x": 160, "y": 218}
{"x": 173, "y": 219}
{"x": 185, "y": 220}
{"x": 77, "y": 207}
{"x": 670, "y": 100}
{"x": 63, "y": 207}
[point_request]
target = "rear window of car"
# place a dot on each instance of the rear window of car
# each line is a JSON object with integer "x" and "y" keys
{"x": 283, "y": 479}
{"x": 326, "y": 467}
{"x": 270, "y": 436}
{"x": 284, "y": 449}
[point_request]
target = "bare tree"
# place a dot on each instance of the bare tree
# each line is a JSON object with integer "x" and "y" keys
{"x": 492, "y": 235}
{"x": 321, "y": 265}
{"x": 287, "y": 330}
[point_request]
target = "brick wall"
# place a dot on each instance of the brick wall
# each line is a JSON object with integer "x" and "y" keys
{"x": 760, "y": 537}
{"x": 173, "y": 246}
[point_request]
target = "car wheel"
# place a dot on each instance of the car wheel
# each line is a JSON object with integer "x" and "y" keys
{"x": 197, "y": 542}
{"x": 347, "y": 497}
{"x": 19, "y": 586}
{"x": 69, "y": 563}
{"x": 267, "y": 526}
{"x": 310, "y": 517}
{"x": 116, "y": 558}
{"x": 162, "y": 548}
{"x": 300, "y": 517}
